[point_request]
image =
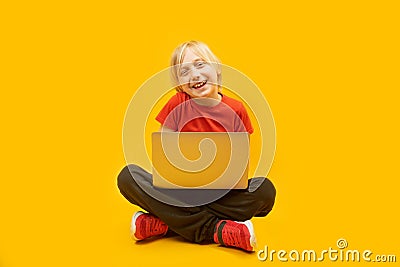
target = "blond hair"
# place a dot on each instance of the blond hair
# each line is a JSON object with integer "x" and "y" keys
{"x": 201, "y": 50}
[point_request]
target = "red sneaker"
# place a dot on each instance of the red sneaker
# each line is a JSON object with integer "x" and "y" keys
{"x": 235, "y": 234}
{"x": 145, "y": 225}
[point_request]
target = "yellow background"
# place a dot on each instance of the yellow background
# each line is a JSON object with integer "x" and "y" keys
{"x": 329, "y": 70}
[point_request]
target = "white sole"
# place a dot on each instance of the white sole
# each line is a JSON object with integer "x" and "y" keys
{"x": 253, "y": 241}
{"x": 133, "y": 224}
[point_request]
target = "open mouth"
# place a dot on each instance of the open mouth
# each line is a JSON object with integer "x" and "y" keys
{"x": 199, "y": 85}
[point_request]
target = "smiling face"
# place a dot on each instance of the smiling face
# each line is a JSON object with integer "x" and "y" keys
{"x": 198, "y": 78}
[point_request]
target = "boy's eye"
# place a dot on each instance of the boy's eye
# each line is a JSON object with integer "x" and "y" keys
{"x": 200, "y": 64}
{"x": 184, "y": 71}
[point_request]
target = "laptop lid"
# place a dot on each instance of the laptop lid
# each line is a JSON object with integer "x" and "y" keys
{"x": 200, "y": 160}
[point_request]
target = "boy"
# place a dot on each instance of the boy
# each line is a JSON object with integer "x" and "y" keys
{"x": 198, "y": 106}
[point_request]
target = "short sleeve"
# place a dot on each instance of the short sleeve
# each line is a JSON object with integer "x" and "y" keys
{"x": 165, "y": 113}
{"x": 245, "y": 119}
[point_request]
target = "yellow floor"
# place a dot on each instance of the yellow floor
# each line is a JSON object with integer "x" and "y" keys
{"x": 88, "y": 225}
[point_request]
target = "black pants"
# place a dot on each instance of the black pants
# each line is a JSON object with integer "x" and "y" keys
{"x": 197, "y": 224}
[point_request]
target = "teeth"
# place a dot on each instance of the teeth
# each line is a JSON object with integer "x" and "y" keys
{"x": 197, "y": 85}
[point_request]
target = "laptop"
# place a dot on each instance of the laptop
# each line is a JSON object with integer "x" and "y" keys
{"x": 200, "y": 160}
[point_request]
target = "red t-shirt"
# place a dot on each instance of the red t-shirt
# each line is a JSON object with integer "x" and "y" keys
{"x": 182, "y": 114}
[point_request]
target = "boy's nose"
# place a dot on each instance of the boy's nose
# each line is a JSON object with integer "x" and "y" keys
{"x": 195, "y": 75}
